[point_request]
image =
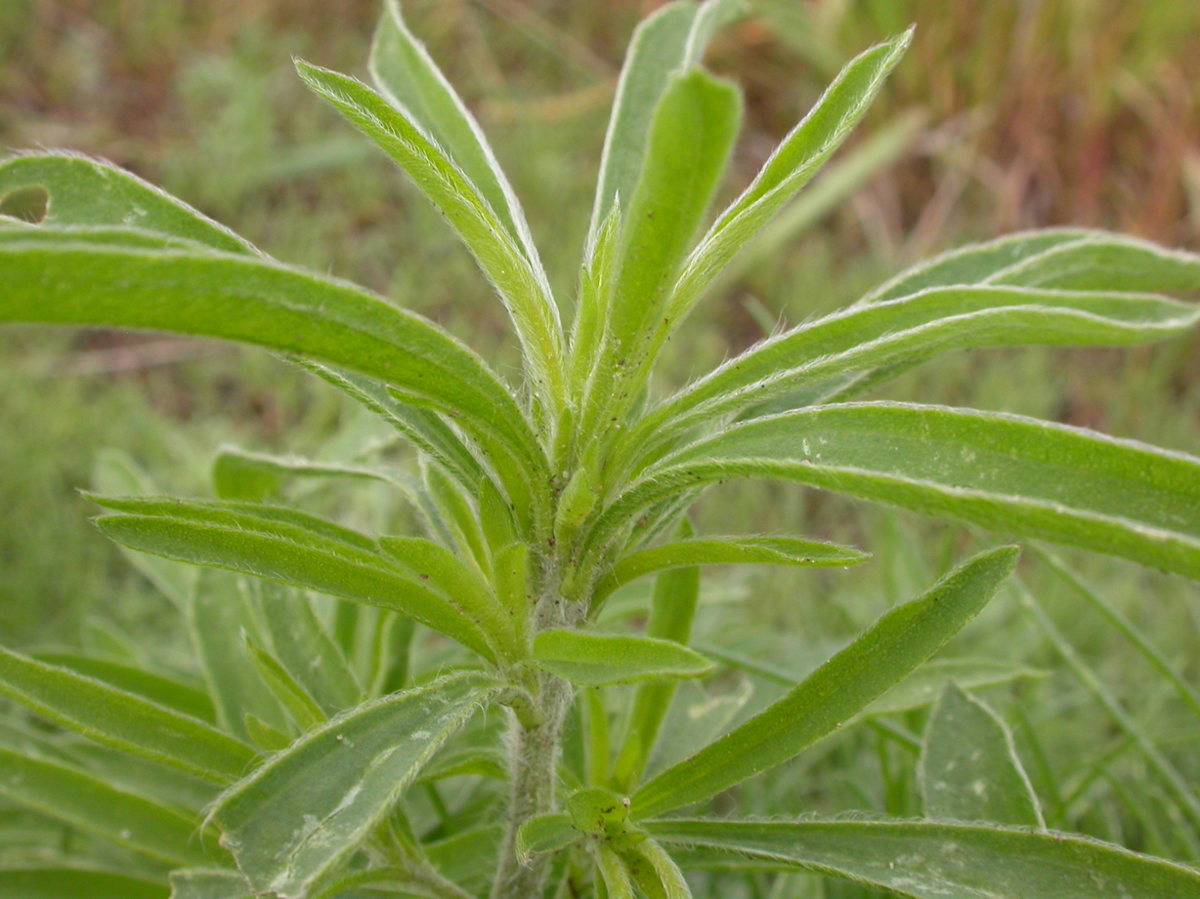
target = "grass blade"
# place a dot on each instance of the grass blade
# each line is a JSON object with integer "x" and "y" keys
{"x": 893, "y": 647}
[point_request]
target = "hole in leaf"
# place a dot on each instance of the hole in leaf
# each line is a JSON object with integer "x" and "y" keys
{"x": 29, "y": 204}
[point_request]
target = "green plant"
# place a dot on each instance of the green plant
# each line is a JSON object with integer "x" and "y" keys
{"x": 287, "y": 770}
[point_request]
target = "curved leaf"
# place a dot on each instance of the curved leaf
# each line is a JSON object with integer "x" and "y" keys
{"x": 256, "y": 301}
{"x": 546, "y": 833}
{"x": 286, "y": 546}
{"x": 311, "y": 805}
{"x": 154, "y": 687}
{"x": 122, "y": 720}
{"x": 895, "y": 645}
{"x": 969, "y": 768}
{"x": 927, "y": 860}
{"x": 599, "y": 660}
{"x": 938, "y": 319}
{"x": 725, "y": 551}
{"x": 88, "y": 192}
{"x": 518, "y": 279}
{"x": 1003, "y": 472}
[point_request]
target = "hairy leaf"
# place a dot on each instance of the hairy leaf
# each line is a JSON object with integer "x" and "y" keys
{"x": 929, "y": 860}
{"x": 311, "y": 805}
{"x": 596, "y": 660}
{"x": 894, "y": 646}
{"x": 154, "y": 687}
{"x": 546, "y": 833}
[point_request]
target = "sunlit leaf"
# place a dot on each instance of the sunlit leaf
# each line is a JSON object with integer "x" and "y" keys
{"x": 595, "y": 660}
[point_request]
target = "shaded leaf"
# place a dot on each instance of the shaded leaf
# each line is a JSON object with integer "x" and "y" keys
{"x": 60, "y": 883}
{"x": 158, "y": 689}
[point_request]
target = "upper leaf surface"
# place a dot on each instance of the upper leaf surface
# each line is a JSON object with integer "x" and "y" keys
{"x": 56, "y": 883}
{"x": 122, "y": 720}
{"x": 267, "y": 304}
{"x": 519, "y": 280}
{"x": 311, "y": 805}
{"x": 969, "y": 766}
{"x": 933, "y": 860}
{"x": 1003, "y": 472}
{"x": 892, "y": 648}
{"x": 88, "y": 192}
{"x": 598, "y": 660}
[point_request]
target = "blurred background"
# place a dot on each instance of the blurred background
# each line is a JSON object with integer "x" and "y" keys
{"x": 1006, "y": 114}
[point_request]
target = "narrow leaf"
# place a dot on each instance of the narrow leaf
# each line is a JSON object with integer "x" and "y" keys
{"x": 924, "y": 685}
{"x": 59, "y": 883}
{"x": 290, "y": 694}
{"x": 242, "y": 475}
{"x": 969, "y": 767}
{"x": 794, "y": 162}
{"x": 154, "y": 687}
{"x": 894, "y": 646}
{"x": 407, "y": 76}
{"x": 82, "y": 191}
{"x": 1003, "y": 472}
{"x": 286, "y": 546}
{"x": 267, "y": 304}
{"x": 518, "y": 279}
{"x": 86, "y": 802}
{"x": 1106, "y": 262}
{"x": 310, "y": 806}
{"x": 599, "y": 660}
{"x": 928, "y": 860}
{"x": 725, "y": 551}
{"x": 122, "y": 720}
{"x": 208, "y": 883}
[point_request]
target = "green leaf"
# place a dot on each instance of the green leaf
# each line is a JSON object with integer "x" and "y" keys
{"x": 518, "y": 278}
{"x": 658, "y": 48}
{"x": 408, "y": 77}
{"x": 242, "y": 475}
{"x": 866, "y": 338}
{"x": 88, "y": 192}
{"x": 689, "y": 143}
{"x": 122, "y": 720}
{"x": 545, "y": 833}
{"x": 88, "y": 803}
{"x": 655, "y": 871}
{"x": 208, "y": 883}
{"x": 922, "y": 687}
{"x": 1106, "y": 262}
{"x": 311, "y": 805}
{"x": 794, "y": 162}
{"x": 1003, "y": 472}
{"x": 599, "y": 660}
{"x": 614, "y": 873}
{"x": 218, "y": 614}
{"x": 724, "y": 551}
{"x": 893, "y": 647}
{"x": 154, "y": 687}
{"x": 974, "y": 263}
{"x": 306, "y": 650}
{"x": 286, "y": 546}
{"x": 928, "y": 860}
{"x": 61, "y": 883}
{"x": 256, "y": 301}
{"x": 291, "y": 695}
{"x": 969, "y": 767}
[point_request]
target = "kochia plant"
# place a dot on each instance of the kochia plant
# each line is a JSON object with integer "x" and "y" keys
{"x": 288, "y": 773}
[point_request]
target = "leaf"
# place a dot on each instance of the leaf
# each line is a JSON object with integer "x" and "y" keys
{"x": 306, "y": 650}
{"x": 218, "y": 614}
{"x": 156, "y": 688}
{"x": 658, "y": 48}
{"x": 794, "y": 162}
{"x": 286, "y": 546}
{"x": 291, "y": 695}
{"x": 614, "y": 873}
{"x": 83, "y": 801}
{"x": 545, "y": 833}
{"x": 88, "y": 192}
{"x": 121, "y": 720}
{"x": 242, "y": 475}
{"x": 690, "y": 140}
{"x": 724, "y": 551}
{"x": 656, "y": 872}
{"x": 408, "y": 77}
{"x": 599, "y": 660}
{"x": 891, "y": 648}
{"x": 922, "y": 687}
{"x": 868, "y": 338}
{"x": 928, "y": 860}
{"x": 1106, "y": 262}
{"x": 1003, "y": 472}
{"x": 518, "y": 278}
{"x": 267, "y": 304}
{"x": 969, "y": 768}
{"x": 311, "y": 805}
{"x": 208, "y": 883}
{"x": 60, "y": 883}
